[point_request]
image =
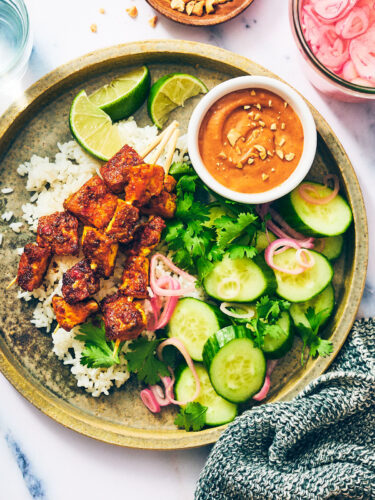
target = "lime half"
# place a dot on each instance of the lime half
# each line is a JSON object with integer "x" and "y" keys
{"x": 172, "y": 91}
{"x": 93, "y": 128}
{"x": 124, "y": 95}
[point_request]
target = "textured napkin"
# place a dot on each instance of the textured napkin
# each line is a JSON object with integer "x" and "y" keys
{"x": 320, "y": 445}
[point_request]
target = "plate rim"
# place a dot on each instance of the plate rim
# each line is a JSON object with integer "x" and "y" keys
{"x": 118, "y": 434}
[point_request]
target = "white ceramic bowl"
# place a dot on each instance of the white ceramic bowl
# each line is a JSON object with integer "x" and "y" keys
{"x": 286, "y": 93}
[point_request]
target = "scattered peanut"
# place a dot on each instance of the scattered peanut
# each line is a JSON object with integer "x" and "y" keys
{"x": 290, "y": 156}
{"x": 273, "y": 126}
{"x": 153, "y": 21}
{"x": 233, "y": 136}
{"x": 94, "y": 28}
{"x": 280, "y": 154}
{"x": 132, "y": 11}
{"x": 265, "y": 177}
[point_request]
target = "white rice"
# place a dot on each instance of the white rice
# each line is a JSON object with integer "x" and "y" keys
{"x": 7, "y": 190}
{"x": 52, "y": 182}
{"x": 7, "y": 216}
{"x": 1, "y": 239}
{"x": 16, "y": 226}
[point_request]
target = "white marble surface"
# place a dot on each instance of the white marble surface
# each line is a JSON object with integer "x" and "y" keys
{"x": 38, "y": 457}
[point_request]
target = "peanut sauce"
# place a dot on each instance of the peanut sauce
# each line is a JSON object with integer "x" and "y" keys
{"x": 251, "y": 140}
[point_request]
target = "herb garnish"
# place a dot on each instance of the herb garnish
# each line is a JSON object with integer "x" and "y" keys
{"x": 142, "y": 360}
{"x": 192, "y": 417}
{"x": 268, "y": 311}
{"x": 196, "y": 241}
{"x": 98, "y": 352}
{"x": 310, "y": 337}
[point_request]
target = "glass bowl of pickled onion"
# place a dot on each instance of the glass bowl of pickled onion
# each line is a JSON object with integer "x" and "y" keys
{"x": 337, "y": 41}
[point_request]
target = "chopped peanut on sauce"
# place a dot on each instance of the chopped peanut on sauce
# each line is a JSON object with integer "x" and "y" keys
{"x": 251, "y": 141}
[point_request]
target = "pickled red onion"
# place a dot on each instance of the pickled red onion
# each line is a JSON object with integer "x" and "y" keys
{"x": 303, "y": 190}
{"x": 157, "y": 290}
{"x": 224, "y": 308}
{"x": 333, "y": 10}
{"x": 354, "y": 24}
{"x": 262, "y": 394}
{"x": 309, "y": 259}
{"x": 161, "y": 397}
{"x": 169, "y": 390}
{"x": 277, "y": 244}
{"x": 150, "y": 401}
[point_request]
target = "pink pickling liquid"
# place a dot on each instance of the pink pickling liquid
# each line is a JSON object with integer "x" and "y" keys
{"x": 341, "y": 34}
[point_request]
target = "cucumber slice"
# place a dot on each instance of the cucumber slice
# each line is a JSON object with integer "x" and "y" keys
{"x": 306, "y": 285}
{"x": 331, "y": 246}
{"x": 277, "y": 347}
{"x": 193, "y": 322}
{"x": 240, "y": 280}
{"x": 325, "y": 300}
{"x": 330, "y": 219}
{"x": 219, "y": 410}
{"x": 236, "y": 367}
{"x": 262, "y": 241}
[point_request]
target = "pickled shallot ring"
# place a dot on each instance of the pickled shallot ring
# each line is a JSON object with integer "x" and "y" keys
{"x": 181, "y": 347}
{"x": 303, "y": 191}
{"x": 275, "y": 245}
{"x": 150, "y": 401}
{"x": 262, "y": 394}
{"x": 305, "y": 258}
{"x": 170, "y": 302}
{"x": 161, "y": 397}
{"x": 224, "y": 308}
{"x": 157, "y": 290}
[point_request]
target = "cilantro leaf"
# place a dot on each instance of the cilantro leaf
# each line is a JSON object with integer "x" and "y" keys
{"x": 193, "y": 417}
{"x": 268, "y": 311}
{"x": 230, "y": 228}
{"x": 98, "y": 353}
{"x": 142, "y": 360}
{"x": 241, "y": 251}
{"x": 186, "y": 183}
{"x": 310, "y": 337}
{"x": 179, "y": 168}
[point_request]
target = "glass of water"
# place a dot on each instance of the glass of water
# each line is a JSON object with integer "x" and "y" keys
{"x": 15, "y": 41}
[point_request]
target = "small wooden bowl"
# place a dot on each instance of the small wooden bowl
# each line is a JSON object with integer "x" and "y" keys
{"x": 223, "y": 12}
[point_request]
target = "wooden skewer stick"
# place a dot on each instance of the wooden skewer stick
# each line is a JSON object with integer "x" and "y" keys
{"x": 157, "y": 141}
{"x": 14, "y": 280}
{"x": 117, "y": 344}
{"x": 156, "y": 155}
{"x": 55, "y": 330}
{"x": 171, "y": 150}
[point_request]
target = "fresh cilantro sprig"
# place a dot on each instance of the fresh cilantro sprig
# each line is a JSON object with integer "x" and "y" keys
{"x": 310, "y": 337}
{"x": 98, "y": 352}
{"x": 196, "y": 242}
{"x": 143, "y": 361}
{"x": 193, "y": 417}
{"x": 268, "y": 311}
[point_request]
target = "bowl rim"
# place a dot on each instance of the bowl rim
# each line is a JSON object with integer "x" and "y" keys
{"x": 292, "y": 98}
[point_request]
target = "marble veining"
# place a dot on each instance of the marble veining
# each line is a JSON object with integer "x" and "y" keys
{"x": 41, "y": 459}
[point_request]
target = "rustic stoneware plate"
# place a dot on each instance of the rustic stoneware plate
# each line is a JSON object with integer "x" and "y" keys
{"x": 33, "y": 126}
{"x": 223, "y": 12}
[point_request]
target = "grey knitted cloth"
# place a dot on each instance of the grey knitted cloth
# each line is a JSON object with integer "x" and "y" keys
{"x": 320, "y": 445}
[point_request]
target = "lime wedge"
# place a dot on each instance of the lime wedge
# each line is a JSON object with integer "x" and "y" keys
{"x": 172, "y": 91}
{"x": 93, "y": 129}
{"x": 124, "y": 95}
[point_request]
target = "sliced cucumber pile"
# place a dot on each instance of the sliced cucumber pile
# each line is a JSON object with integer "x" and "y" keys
{"x": 325, "y": 300}
{"x": 219, "y": 410}
{"x": 193, "y": 322}
{"x": 306, "y": 285}
{"x": 236, "y": 367}
{"x": 277, "y": 347}
{"x": 331, "y": 246}
{"x": 329, "y": 219}
{"x": 240, "y": 280}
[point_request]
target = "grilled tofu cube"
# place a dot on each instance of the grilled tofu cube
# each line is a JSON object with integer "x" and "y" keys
{"x": 70, "y": 315}
{"x": 123, "y": 223}
{"x": 169, "y": 183}
{"x": 33, "y": 265}
{"x": 164, "y": 205}
{"x": 93, "y": 203}
{"x": 123, "y": 320}
{"x": 100, "y": 249}
{"x": 144, "y": 181}
{"x": 79, "y": 282}
{"x": 115, "y": 171}
{"x": 135, "y": 277}
{"x": 147, "y": 236}
{"x": 60, "y": 232}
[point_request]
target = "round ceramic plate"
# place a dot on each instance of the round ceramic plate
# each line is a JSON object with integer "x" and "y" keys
{"x": 34, "y": 126}
{"x": 223, "y": 12}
